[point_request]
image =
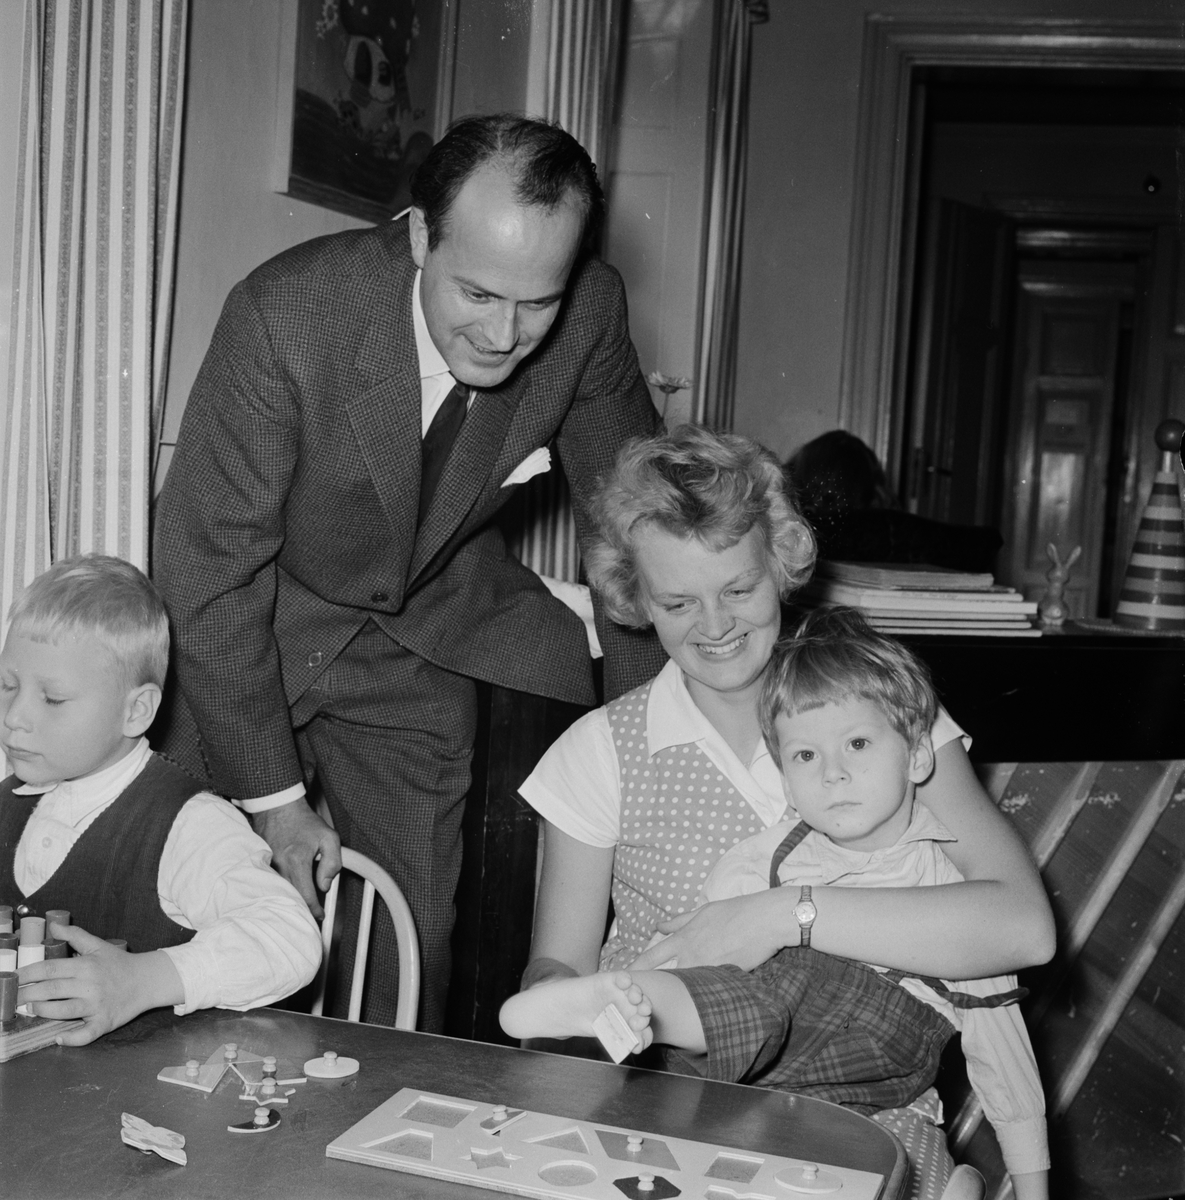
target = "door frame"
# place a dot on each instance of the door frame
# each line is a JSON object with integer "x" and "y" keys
{"x": 881, "y": 265}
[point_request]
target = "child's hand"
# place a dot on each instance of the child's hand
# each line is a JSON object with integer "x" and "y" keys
{"x": 104, "y": 985}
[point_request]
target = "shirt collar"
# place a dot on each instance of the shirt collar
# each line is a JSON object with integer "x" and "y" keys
{"x": 431, "y": 360}
{"x": 672, "y": 718}
{"x": 89, "y": 791}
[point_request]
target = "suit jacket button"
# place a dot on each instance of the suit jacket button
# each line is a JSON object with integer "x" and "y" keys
{"x": 23, "y": 910}
{"x": 380, "y": 598}
{"x": 315, "y": 658}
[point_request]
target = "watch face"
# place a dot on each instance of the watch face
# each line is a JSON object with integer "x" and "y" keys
{"x": 805, "y": 912}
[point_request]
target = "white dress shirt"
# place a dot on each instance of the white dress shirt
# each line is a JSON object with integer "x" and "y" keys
{"x": 256, "y": 941}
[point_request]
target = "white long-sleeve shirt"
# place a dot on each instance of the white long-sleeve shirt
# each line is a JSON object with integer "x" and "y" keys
{"x": 255, "y": 942}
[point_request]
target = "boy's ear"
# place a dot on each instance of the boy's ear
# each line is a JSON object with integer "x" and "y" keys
{"x": 140, "y": 709}
{"x": 921, "y": 760}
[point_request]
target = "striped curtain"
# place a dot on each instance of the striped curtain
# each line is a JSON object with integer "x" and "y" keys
{"x": 715, "y": 378}
{"x": 583, "y": 44}
{"x": 97, "y": 185}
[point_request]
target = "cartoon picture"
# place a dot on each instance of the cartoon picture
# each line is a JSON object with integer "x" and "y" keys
{"x": 365, "y": 104}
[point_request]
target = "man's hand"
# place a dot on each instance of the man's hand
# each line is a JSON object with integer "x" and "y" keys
{"x": 104, "y": 985}
{"x": 301, "y": 842}
{"x": 745, "y": 931}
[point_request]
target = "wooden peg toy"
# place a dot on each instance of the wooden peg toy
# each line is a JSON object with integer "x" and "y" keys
{"x": 263, "y": 1120}
{"x": 330, "y": 1066}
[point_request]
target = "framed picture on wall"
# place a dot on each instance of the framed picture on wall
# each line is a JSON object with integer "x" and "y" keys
{"x": 369, "y": 91}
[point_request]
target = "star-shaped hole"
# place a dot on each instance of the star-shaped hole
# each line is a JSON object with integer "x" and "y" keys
{"x": 483, "y": 1160}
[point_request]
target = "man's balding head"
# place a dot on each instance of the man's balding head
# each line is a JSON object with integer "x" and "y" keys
{"x": 547, "y": 165}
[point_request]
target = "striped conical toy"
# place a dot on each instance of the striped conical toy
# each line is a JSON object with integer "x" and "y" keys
{"x": 1153, "y": 595}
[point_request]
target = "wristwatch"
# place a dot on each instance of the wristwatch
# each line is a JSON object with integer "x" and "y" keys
{"x": 805, "y": 913}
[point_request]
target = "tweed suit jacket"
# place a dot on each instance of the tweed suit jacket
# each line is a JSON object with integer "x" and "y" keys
{"x": 289, "y": 514}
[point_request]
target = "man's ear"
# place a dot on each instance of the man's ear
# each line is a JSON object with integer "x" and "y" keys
{"x": 418, "y": 230}
{"x": 140, "y": 709}
{"x": 921, "y": 760}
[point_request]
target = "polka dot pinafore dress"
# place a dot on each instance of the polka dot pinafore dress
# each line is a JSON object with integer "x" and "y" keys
{"x": 679, "y": 814}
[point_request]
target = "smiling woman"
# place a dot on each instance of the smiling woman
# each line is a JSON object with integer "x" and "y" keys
{"x": 642, "y": 797}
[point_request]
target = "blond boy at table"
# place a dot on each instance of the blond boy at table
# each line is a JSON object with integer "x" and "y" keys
{"x": 846, "y": 713}
{"x": 93, "y": 822}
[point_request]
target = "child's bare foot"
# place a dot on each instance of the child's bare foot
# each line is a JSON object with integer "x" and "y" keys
{"x": 568, "y": 1007}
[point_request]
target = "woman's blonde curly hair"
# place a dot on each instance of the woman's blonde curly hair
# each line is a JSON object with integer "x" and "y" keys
{"x": 692, "y": 482}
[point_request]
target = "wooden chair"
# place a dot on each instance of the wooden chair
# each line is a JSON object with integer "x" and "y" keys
{"x": 377, "y": 881}
{"x": 1112, "y": 853}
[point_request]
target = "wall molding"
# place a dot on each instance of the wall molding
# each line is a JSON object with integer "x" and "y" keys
{"x": 880, "y": 258}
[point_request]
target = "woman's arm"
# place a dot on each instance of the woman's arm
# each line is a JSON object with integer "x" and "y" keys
{"x": 997, "y": 922}
{"x": 571, "y": 908}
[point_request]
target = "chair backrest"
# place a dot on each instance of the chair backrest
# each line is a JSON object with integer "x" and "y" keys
{"x": 376, "y": 881}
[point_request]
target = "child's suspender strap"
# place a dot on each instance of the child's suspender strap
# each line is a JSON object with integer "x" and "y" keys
{"x": 960, "y": 999}
{"x": 788, "y": 843}
{"x": 956, "y": 999}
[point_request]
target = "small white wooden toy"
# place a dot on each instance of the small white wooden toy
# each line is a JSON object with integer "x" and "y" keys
{"x": 153, "y": 1139}
{"x": 330, "y": 1066}
{"x": 614, "y": 1033}
{"x": 534, "y": 1154}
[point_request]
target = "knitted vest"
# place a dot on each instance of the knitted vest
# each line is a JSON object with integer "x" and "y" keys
{"x": 108, "y": 880}
{"x": 679, "y": 814}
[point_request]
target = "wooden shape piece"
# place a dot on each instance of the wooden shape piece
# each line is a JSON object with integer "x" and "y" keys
{"x": 152, "y": 1139}
{"x": 330, "y": 1066}
{"x": 264, "y": 1120}
{"x": 614, "y": 1033}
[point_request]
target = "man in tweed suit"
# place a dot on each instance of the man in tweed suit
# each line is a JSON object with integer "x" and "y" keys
{"x": 325, "y": 541}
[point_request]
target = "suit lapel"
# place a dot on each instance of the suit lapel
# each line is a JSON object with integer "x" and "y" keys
{"x": 386, "y": 415}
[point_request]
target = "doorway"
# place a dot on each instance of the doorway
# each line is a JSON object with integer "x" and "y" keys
{"x": 1039, "y": 346}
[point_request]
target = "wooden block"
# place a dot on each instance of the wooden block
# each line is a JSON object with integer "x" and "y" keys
{"x": 614, "y": 1033}
{"x": 26, "y": 1034}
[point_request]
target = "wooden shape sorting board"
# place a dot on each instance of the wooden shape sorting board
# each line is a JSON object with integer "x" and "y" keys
{"x": 24, "y": 1034}
{"x": 446, "y": 1137}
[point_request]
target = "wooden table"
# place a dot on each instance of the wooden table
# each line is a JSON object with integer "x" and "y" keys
{"x": 60, "y": 1110}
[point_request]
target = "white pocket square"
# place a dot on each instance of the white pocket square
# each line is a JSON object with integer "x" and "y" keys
{"x": 534, "y": 464}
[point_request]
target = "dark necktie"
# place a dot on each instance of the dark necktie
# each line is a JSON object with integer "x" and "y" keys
{"x": 438, "y": 441}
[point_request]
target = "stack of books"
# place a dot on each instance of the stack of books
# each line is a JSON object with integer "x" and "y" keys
{"x": 909, "y": 598}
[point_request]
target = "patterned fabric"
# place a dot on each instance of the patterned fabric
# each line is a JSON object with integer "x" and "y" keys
{"x": 389, "y": 736}
{"x": 97, "y": 183}
{"x": 108, "y": 881}
{"x": 679, "y": 814}
{"x": 930, "y": 1163}
{"x": 820, "y": 1026}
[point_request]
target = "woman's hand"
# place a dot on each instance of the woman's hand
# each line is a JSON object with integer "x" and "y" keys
{"x": 744, "y": 931}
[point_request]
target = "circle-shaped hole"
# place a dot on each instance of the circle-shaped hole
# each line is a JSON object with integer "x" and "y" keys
{"x": 568, "y": 1174}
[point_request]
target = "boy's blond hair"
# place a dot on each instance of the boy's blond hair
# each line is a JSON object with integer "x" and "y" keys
{"x": 836, "y": 654}
{"x": 108, "y": 598}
